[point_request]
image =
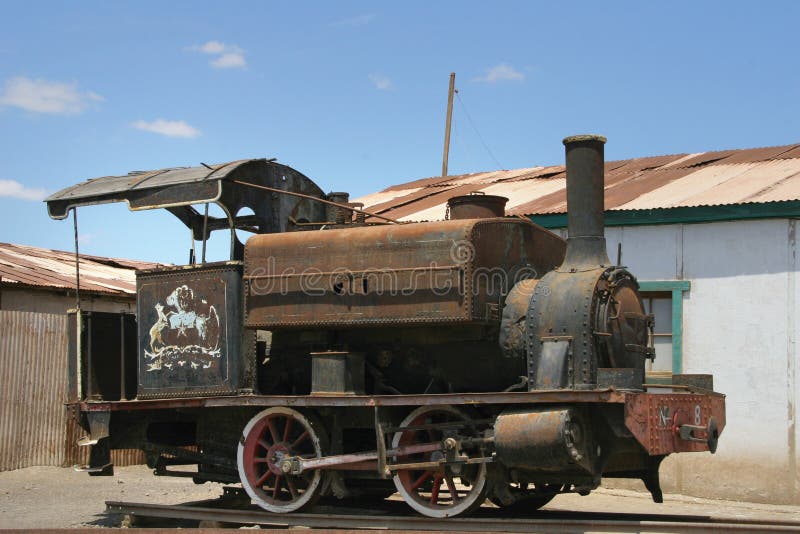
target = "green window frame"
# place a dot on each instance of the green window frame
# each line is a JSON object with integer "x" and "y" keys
{"x": 676, "y": 288}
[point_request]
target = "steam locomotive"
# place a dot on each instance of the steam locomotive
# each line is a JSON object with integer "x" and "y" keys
{"x": 341, "y": 353}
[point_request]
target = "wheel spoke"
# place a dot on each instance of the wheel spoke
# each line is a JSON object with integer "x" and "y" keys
{"x": 272, "y": 430}
{"x": 421, "y": 480}
{"x": 287, "y": 428}
{"x": 277, "y": 488}
{"x": 300, "y": 439}
{"x": 292, "y": 489}
{"x": 260, "y": 460}
{"x": 452, "y": 487}
{"x": 437, "y": 484}
{"x": 260, "y": 482}
{"x": 264, "y": 444}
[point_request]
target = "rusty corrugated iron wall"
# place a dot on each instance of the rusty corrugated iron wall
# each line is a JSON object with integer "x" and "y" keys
{"x": 33, "y": 360}
{"x": 33, "y": 422}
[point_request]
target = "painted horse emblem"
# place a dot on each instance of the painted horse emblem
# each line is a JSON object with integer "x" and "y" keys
{"x": 186, "y": 332}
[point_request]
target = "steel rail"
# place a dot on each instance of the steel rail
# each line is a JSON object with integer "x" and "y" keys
{"x": 665, "y": 523}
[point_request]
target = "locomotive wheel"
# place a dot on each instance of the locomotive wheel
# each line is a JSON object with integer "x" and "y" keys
{"x": 269, "y": 437}
{"x": 437, "y": 492}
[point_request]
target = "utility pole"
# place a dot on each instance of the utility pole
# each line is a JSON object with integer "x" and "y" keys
{"x": 450, "y": 93}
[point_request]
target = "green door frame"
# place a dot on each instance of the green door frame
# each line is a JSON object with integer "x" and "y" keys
{"x": 676, "y": 288}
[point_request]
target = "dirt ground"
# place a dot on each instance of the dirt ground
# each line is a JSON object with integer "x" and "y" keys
{"x": 50, "y": 497}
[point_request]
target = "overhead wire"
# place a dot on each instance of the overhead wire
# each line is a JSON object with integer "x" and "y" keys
{"x": 472, "y": 123}
{"x": 462, "y": 143}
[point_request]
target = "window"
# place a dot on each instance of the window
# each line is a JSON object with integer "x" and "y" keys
{"x": 664, "y": 299}
{"x": 660, "y": 305}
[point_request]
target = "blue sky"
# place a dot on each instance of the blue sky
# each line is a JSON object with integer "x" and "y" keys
{"x": 353, "y": 94}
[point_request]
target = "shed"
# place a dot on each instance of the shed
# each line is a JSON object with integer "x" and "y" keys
{"x": 37, "y": 287}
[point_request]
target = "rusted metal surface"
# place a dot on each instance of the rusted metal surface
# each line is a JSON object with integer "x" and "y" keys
{"x": 768, "y": 174}
{"x": 586, "y": 246}
{"x": 520, "y": 397}
{"x": 546, "y": 440}
{"x": 34, "y": 427}
{"x": 339, "y": 202}
{"x": 39, "y": 267}
{"x": 337, "y": 373}
{"x": 655, "y": 419}
{"x": 512, "y": 325}
{"x": 793, "y": 152}
{"x": 565, "y": 348}
{"x": 33, "y": 349}
{"x": 493, "y": 521}
{"x": 449, "y": 271}
{"x": 585, "y": 314}
{"x": 476, "y": 206}
{"x": 424, "y": 205}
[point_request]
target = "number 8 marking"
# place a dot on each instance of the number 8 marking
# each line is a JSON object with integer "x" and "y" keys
{"x": 697, "y": 414}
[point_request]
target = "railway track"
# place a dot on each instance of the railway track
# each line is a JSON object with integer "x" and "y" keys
{"x": 219, "y": 512}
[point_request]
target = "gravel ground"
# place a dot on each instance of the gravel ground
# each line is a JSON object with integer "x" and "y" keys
{"x": 51, "y": 497}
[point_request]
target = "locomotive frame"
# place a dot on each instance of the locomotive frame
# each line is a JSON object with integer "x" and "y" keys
{"x": 255, "y": 373}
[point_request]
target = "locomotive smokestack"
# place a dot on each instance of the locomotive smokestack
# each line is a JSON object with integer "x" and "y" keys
{"x": 586, "y": 243}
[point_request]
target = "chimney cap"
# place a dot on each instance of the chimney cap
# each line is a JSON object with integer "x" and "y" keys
{"x": 584, "y": 137}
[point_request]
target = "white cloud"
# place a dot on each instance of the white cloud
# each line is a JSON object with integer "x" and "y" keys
{"x": 381, "y": 82}
{"x": 168, "y": 128}
{"x": 354, "y": 22}
{"x": 14, "y": 189}
{"x": 43, "y": 96}
{"x": 227, "y": 56}
{"x": 501, "y": 72}
{"x": 228, "y": 61}
{"x": 212, "y": 47}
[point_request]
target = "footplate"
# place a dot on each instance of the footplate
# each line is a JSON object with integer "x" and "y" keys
{"x": 675, "y": 422}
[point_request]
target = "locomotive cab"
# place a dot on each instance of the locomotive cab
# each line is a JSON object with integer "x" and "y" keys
{"x": 187, "y": 337}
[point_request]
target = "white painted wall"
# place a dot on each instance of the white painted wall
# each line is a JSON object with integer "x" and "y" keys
{"x": 741, "y": 321}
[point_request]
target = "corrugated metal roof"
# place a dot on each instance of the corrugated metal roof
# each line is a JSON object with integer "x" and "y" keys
{"x": 726, "y": 177}
{"x": 41, "y": 267}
